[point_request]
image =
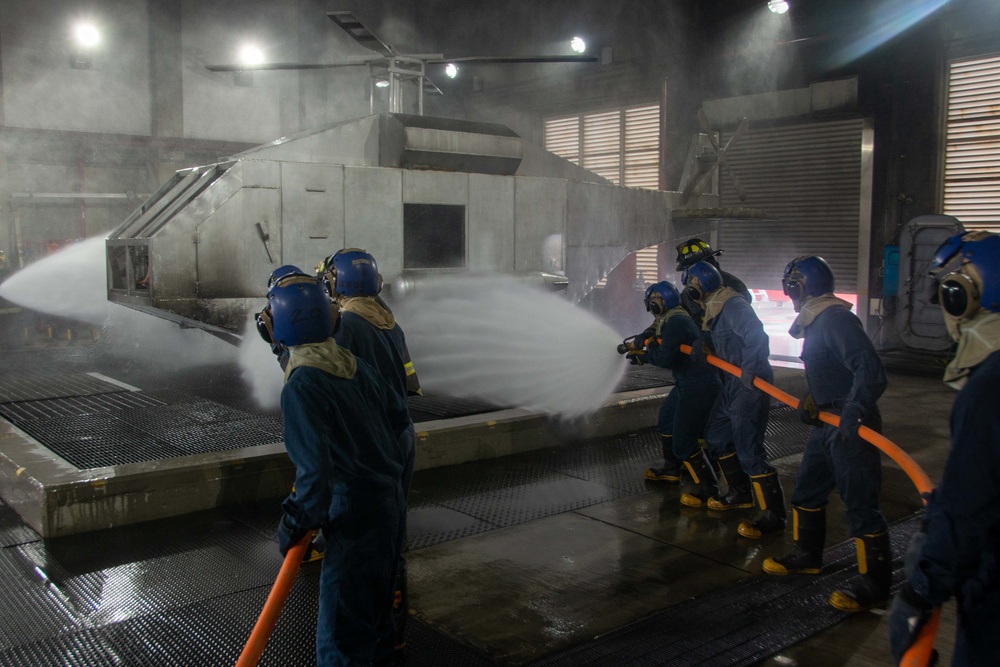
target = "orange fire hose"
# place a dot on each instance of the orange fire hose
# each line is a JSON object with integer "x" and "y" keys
{"x": 275, "y": 601}
{"x": 919, "y": 654}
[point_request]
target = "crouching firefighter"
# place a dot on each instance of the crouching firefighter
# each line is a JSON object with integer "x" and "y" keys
{"x": 369, "y": 330}
{"x": 736, "y": 428}
{"x": 686, "y": 409}
{"x": 845, "y": 376}
{"x": 342, "y": 427}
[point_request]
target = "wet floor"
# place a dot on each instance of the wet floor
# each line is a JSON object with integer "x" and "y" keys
{"x": 558, "y": 556}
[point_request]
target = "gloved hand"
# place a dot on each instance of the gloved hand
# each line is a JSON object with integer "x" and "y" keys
{"x": 697, "y": 351}
{"x": 289, "y": 534}
{"x": 850, "y": 420}
{"x": 746, "y": 377}
{"x": 646, "y": 337}
{"x": 635, "y": 357}
{"x": 808, "y": 412}
{"x": 907, "y": 616}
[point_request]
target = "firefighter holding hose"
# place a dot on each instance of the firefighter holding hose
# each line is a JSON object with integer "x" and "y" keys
{"x": 342, "y": 429}
{"x": 957, "y": 553}
{"x": 845, "y": 376}
{"x": 370, "y": 331}
{"x": 687, "y": 407}
{"x": 735, "y": 431}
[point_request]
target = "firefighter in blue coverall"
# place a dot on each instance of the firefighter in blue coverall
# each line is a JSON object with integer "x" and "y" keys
{"x": 689, "y": 253}
{"x": 342, "y": 428}
{"x": 687, "y": 407}
{"x": 369, "y": 330}
{"x": 845, "y": 376}
{"x": 695, "y": 250}
{"x": 735, "y": 431}
{"x": 957, "y": 552}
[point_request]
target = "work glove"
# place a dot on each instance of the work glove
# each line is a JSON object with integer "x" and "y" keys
{"x": 697, "y": 351}
{"x": 907, "y": 616}
{"x": 646, "y": 337}
{"x": 289, "y": 534}
{"x": 850, "y": 420}
{"x": 746, "y": 377}
{"x": 635, "y": 357}
{"x": 808, "y": 412}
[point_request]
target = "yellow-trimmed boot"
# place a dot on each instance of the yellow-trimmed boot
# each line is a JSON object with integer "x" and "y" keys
{"x": 671, "y": 470}
{"x": 771, "y": 501}
{"x": 809, "y": 532}
{"x": 738, "y": 496}
{"x": 703, "y": 476}
{"x": 875, "y": 566}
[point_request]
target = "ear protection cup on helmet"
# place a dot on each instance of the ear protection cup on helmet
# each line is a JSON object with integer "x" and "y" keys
{"x": 966, "y": 269}
{"x": 265, "y": 325}
{"x": 958, "y": 295}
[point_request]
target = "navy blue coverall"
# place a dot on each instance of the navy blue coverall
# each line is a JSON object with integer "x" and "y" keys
{"x": 383, "y": 349}
{"x": 343, "y": 437}
{"x": 688, "y": 405}
{"x": 842, "y": 367}
{"x": 739, "y": 417}
{"x": 961, "y": 556}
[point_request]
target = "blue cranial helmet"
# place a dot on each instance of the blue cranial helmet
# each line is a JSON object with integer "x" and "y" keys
{"x": 808, "y": 275}
{"x": 967, "y": 269}
{"x": 666, "y": 292}
{"x": 701, "y": 279}
{"x": 298, "y": 311}
{"x": 281, "y": 272}
{"x": 350, "y": 272}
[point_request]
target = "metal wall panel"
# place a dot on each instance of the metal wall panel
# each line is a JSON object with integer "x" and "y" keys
{"x": 231, "y": 254}
{"x": 539, "y": 212}
{"x": 312, "y": 212}
{"x": 373, "y": 215}
{"x": 594, "y": 215}
{"x": 491, "y": 224}
{"x": 435, "y": 187}
{"x": 815, "y": 180}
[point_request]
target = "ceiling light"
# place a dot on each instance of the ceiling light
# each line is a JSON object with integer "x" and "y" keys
{"x": 381, "y": 83}
{"x": 451, "y": 70}
{"x": 251, "y": 55}
{"x": 777, "y": 6}
{"x": 578, "y": 45}
{"x": 86, "y": 35}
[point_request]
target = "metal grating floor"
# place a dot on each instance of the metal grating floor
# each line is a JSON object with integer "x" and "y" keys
{"x": 186, "y": 590}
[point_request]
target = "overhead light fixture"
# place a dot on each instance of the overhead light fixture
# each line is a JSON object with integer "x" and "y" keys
{"x": 451, "y": 70}
{"x": 381, "y": 83}
{"x": 578, "y": 45}
{"x": 251, "y": 55}
{"x": 777, "y": 6}
{"x": 86, "y": 35}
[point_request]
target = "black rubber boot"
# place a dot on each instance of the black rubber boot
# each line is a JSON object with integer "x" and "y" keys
{"x": 671, "y": 470}
{"x": 809, "y": 532}
{"x": 738, "y": 496}
{"x": 771, "y": 501}
{"x": 875, "y": 566}
{"x": 703, "y": 476}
